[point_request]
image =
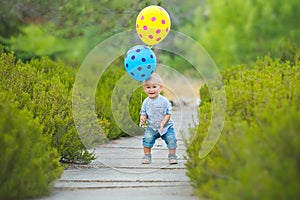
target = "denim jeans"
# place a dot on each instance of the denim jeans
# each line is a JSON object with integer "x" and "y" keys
{"x": 151, "y": 136}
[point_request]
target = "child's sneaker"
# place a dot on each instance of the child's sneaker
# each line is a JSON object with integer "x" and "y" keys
{"x": 146, "y": 159}
{"x": 172, "y": 159}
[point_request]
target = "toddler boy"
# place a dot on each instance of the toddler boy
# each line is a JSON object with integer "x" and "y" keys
{"x": 156, "y": 113}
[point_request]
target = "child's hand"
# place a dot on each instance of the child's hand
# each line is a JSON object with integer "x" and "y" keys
{"x": 162, "y": 124}
{"x": 142, "y": 122}
{"x": 143, "y": 119}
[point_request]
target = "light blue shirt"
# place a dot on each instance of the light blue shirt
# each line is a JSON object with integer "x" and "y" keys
{"x": 155, "y": 110}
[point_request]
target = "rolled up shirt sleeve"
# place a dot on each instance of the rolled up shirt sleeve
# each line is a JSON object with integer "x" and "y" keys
{"x": 143, "y": 109}
{"x": 169, "y": 109}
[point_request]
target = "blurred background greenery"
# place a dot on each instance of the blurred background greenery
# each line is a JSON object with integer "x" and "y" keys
{"x": 233, "y": 31}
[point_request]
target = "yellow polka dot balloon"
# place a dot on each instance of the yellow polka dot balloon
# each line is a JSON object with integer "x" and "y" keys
{"x": 153, "y": 24}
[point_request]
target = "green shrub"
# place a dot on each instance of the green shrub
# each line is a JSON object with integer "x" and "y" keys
{"x": 44, "y": 87}
{"x": 104, "y": 94}
{"x": 258, "y": 153}
{"x": 29, "y": 165}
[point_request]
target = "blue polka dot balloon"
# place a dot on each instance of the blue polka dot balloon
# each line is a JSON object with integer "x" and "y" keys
{"x": 140, "y": 62}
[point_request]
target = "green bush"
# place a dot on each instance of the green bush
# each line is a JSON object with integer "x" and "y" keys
{"x": 29, "y": 165}
{"x": 104, "y": 93}
{"x": 44, "y": 87}
{"x": 258, "y": 153}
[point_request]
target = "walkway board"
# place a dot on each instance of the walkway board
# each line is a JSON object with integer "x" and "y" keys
{"x": 117, "y": 172}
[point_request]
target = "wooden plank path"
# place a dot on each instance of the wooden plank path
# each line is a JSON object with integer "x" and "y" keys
{"x": 117, "y": 172}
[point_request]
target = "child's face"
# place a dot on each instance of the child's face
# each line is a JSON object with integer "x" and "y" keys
{"x": 152, "y": 90}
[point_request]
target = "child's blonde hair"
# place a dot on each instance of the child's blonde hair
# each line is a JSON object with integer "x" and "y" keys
{"x": 154, "y": 79}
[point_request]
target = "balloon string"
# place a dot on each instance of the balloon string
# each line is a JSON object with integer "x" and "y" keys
{"x": 141, "y": 97}
{"x": 150, "y": 46}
